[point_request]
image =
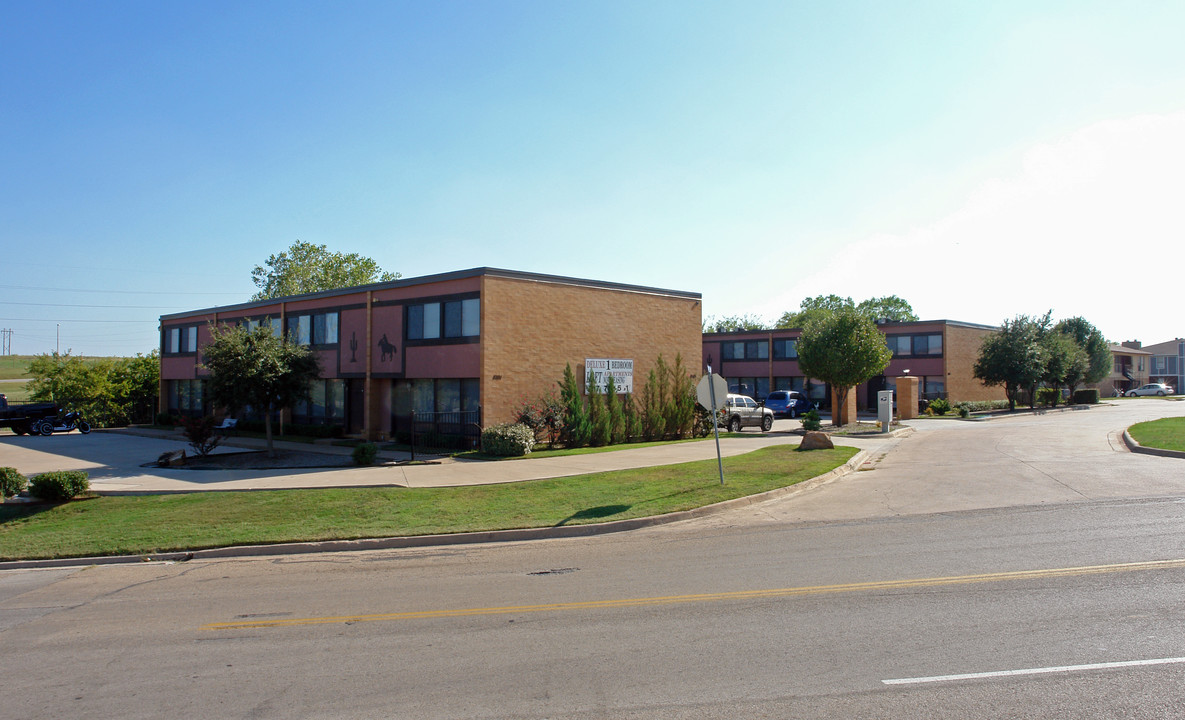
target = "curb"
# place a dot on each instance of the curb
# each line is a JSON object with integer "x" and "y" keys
{"x": 490, "y": 536}
{"x": 1136, "y": 447}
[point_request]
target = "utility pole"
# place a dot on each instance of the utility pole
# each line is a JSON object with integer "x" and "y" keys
{"x": 6, "y": 341}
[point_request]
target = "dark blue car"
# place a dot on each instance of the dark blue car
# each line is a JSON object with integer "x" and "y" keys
{"x": 787, "y": 403}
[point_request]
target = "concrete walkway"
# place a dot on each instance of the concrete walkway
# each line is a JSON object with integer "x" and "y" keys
{"x": 115, "y": 459}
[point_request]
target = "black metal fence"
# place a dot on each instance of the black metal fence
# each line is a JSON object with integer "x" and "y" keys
{"x": 438, "y": 433}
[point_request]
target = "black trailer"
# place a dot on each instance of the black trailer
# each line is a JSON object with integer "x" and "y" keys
{"x": 28, "y": 418}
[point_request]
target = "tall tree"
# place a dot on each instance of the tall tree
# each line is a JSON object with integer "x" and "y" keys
{"x": 733, "y": 323}
{"x": 843, "y": 348}
{"x": 1012, "y": 357}
{"x": 307, "y": 268}
{"x": 1096, "y": 347}
{"x": 889, "y": 307}
{"x": 256, "y": 369}
{"x": 1065, "y": 361}
{"x": 813, "y": 309}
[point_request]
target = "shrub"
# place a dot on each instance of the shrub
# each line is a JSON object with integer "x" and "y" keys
{"x": 11, "y": 482}
{"x": 1048, "y": 397}
{"x": 166, "y": 419}
{"x": 811, "y": 421}
{"x": 1086, "y": 397}
{"x": 59, "y": 486}
{"x": 964, "y": 412}
{"x": 984, "y": 405}
{"x": 939, "y": 406}
{"x": 365, "y": 454}
{"x": 507, "y": 440}
{"x": 201, "y": 434}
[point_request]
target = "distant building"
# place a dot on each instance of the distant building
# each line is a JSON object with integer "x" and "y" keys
{"x": 1129, "y": 369}
{"x": 1167, "y": 364}
{"x": 940, "y": 353}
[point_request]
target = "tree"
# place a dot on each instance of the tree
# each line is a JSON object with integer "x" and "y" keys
{"x": 734, "y": 323}
{"x": 813, "y": 309}
{"x": 307, "y": 268}
{"x": 889, "y": 307}
{"x": 1096, "y": 347}
{"x": 1012, "y": 357}
{"x": 105, "y": 391}
{"x": 843, "y": 348}
{"x": 1065, "y": 361}
{"x": 256, "y": 369}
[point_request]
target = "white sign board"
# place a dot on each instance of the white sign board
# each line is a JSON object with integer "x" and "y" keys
{"x": 601, "y": 368}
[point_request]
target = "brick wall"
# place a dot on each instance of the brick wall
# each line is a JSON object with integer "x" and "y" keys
{"x": 961, "y": 350}
{"x": 532, "y": 329}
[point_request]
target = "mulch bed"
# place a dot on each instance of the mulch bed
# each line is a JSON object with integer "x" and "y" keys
{"x": 258, "y": 460}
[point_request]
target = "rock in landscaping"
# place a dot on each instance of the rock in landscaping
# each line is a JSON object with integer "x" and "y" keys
{"x": 173, "y": 458}
{"x": 816, "y": 440}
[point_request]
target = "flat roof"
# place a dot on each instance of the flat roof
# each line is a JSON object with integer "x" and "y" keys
{"x": 891, "y": 323}
{"x": 440, "y": 277}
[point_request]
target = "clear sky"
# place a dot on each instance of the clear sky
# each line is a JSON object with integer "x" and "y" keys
{"x": 980, "y": 159}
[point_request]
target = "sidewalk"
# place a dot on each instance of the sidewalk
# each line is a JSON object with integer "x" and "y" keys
{"x": 115, "y": 462}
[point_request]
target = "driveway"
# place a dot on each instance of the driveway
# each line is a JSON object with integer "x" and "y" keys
{"x": 948, "y": 466}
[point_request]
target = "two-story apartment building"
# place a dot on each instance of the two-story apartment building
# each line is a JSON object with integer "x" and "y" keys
{"x": 939, "y": 353}
{"x": 478, "y": 342}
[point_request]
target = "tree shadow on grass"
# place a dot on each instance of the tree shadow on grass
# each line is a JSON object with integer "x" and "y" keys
{"x": 594, "y": 513}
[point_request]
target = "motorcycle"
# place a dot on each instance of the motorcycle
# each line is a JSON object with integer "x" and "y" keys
{"x": 64, "y": 423}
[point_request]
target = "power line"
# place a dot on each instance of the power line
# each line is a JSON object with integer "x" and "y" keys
{"x": 154, "y": 321}
{"x": 138, "y": 307}
{"x": 120, "y": 292}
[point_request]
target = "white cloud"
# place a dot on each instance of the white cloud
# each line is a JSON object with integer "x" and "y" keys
{"x": 1091, "y": 224}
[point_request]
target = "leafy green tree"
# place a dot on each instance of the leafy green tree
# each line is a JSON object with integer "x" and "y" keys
{"x": 889, "y": 307}
{"x": 1012, "y": 357}
{"x": 137, "y": 382}
{"x": 254, "y": 368}
{"x": 82, "y": 385}
{"x": 1096, "y": 347}
{"x": 842, "y": 348}
{"x": 734, "y": 323}
{"x": 813, "y": 309}
{"x": 1065, "y": 362}
{"x": 307, "y": 268}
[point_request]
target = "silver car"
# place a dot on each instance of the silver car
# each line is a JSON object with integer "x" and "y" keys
{"x": 1151, "y": 389}
{"x": 743, "y": 411}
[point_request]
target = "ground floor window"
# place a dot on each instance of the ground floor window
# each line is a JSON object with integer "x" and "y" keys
{"x": 185, "y": 397}
{"x": 326, "y": 404}
{"x": 444, "y": 412}
{"x": 812, "y": 390}
{"x": 932, "y": 387}
{"x": 755, "y": 387}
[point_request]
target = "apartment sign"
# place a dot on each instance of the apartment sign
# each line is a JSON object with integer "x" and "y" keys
{"x": 601, "y": 369}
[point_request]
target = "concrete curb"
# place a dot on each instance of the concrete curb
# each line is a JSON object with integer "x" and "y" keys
{"x": 491, "y": 536}
{"x": 1136, "y": 447}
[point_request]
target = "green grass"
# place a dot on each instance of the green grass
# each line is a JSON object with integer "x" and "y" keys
{"x": 542, "y": 451}
{"x": 159, "y": 523}
{"x": 16, "y": 392}
{"x": 13, "y": 367}
{"x": 1166, "y": 434}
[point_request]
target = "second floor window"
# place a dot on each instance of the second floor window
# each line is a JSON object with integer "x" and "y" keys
{"x": 313, "y": 329}
{"x": 450, "y": 319}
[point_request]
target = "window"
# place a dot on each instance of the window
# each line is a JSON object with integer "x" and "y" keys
{"x": 173, "y": 340}
{"x": 318, "y": 329}
{"x": 757, "y": 387}
{"x": 426, "y": 396}
{"x": 788, "y": 383}
{"x": 786, "y": 349}
{"x": 914, "y": 345}
{"x": 185, "y": 397}
{"x": 456, "y": 319}
{"x": 181, "y": 340}
{"x": 745, "y": 350}
{"x": 927, "y": 344}
{"x": 191, "y": 339}
{"x": 326, "y": 404}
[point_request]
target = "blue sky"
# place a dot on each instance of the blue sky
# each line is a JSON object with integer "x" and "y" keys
{"x": 978, "y": 159}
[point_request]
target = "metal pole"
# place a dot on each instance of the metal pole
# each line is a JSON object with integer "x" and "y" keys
{"x": 715, "y": 427}
{"x": 413, "y": 435}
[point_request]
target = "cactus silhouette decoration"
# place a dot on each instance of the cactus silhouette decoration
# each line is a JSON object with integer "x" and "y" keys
{"x": 353, "y": 347}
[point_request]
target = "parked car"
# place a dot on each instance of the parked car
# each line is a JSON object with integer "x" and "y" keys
{"x": 743, "y": 411}
{"x": 788, "y": 402}
{"x": 1151, "y": 389}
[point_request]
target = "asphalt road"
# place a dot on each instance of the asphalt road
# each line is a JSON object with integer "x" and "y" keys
{"x": 882, "y": 612}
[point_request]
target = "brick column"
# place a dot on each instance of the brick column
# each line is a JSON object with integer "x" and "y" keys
{"x": 907, "y": 397}
{"x": 847, "y": 413}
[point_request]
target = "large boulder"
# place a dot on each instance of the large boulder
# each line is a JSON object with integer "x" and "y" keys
{"x": 816, "y": 440}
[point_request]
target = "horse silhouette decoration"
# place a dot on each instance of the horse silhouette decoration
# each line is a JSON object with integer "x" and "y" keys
{"x": 388, "y": 350}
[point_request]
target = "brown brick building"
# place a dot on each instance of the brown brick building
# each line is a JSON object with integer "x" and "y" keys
{"x": 468, "y": 346}
{"x": 939, "y": 353}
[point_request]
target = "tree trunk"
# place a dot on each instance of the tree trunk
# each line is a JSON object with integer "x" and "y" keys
{"x": 267, "y": 428}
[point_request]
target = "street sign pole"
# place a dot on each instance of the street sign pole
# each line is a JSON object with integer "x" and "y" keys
{"x": 710, "y": 381}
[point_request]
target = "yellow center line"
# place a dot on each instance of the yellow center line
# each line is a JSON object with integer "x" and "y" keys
{"x": 710, "y": 597}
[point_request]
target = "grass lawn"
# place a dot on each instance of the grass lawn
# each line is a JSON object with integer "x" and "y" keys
{"x": 1166, "y": 434}
{"x": 542, "y": 451}
{"x": 160, "y": 523}
{"x": 16, "y": 392}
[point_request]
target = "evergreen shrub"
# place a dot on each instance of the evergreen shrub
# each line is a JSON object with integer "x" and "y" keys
{"x": 60, "y": 485}
{"x": 11, "y": 482}
{"x": 365, "y": 453}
